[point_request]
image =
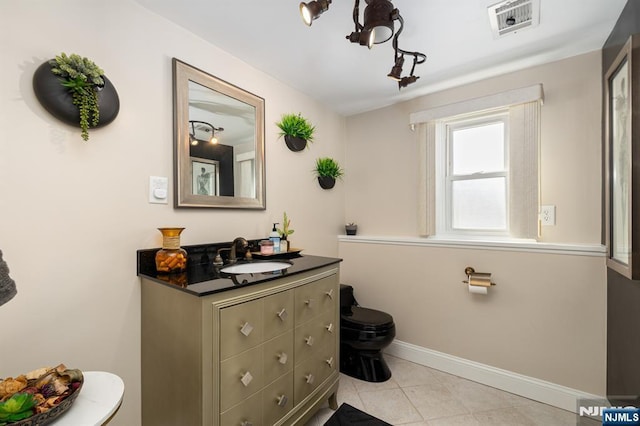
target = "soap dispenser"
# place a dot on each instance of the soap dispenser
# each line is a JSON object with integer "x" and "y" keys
{"x": 275, "y": 237}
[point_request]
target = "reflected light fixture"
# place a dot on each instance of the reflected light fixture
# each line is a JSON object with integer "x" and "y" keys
{"x": 206, "y": 127}
{"x": 378, "y": 27}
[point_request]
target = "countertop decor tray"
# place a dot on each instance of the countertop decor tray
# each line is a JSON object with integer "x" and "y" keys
{"x": 293, "y": 252}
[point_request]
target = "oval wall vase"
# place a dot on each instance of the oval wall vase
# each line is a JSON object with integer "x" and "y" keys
{"x": 294, "y": 143}
{"x": 326, "y": 182}
{"x": 57, "y": 99}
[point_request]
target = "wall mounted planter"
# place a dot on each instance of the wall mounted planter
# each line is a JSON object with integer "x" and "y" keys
{"x": 294, "y": 143}
{"x": 326, "y": 182}
{"x": 58, "y": 101}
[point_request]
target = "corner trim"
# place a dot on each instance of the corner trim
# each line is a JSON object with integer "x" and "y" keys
{"x": 528, "y": 387}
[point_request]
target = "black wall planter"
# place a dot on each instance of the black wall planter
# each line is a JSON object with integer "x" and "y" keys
{"x": 295, "y": 143}
{"x": 326, "y": 182}
{"x": 57, "y": 99}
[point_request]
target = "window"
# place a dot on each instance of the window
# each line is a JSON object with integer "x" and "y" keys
{"x": 479, "y": 167}
{"x": 474, "y": 184}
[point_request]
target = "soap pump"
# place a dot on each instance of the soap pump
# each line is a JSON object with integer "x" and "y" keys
{"x": 275, "y": 237}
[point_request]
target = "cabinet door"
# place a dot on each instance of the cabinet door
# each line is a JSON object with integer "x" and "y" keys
{"x": 315, "y": 298}
{"x": 278, "y": 399}
{"x": 278, "y": 356}
{"x": 278, "y": 314}
{"x": 240, "y": 377}
{"x": 247, "y": 413}
{"x": 241, "y": 328}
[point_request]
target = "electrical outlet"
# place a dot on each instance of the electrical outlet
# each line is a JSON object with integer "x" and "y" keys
{"x": 548, "y": 215}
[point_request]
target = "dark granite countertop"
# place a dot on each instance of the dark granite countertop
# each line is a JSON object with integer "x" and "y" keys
{"x": 202, "y": 278}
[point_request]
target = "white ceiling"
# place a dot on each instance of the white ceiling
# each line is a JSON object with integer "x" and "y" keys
{"x": 454, "y": 34}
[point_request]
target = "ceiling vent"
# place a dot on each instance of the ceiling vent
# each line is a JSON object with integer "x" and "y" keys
{"x": 508, "y": 17}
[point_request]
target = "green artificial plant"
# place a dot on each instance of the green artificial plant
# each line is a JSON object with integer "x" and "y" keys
{"x": 328, "y": 167}
{"x": 285, "y": 231}
{"x": 296, "y": 126}
{"x": 84, "y": 79}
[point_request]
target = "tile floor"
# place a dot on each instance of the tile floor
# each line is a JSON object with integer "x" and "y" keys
{"x": 418, "y": 396}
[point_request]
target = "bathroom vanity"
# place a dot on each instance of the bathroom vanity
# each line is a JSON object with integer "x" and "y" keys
{"x": 241, "y": 349}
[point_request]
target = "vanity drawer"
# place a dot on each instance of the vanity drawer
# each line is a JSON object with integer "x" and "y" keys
{"x": 306, "y": 377}
{"x": 327, "y": 359}
{"x": 247, "y": 413}
{"x": 241, "y": 328}
{"x": 315, "y": 298}
{"x": 278, "y": 356}
{"x": 315, "y": 334}
{"x": 240, "y": 377}
{"x": 278, "y": 399}
{"x": 278, "y": 314}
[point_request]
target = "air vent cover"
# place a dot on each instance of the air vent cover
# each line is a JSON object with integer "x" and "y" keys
{"x": 510, "y": 16}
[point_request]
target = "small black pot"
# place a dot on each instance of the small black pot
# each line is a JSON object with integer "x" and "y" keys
{"x": 351, "y": 229}
{"x": 294, "y": 143}
{"x": 58, "y": 100}
{"x": 326, "y": 182}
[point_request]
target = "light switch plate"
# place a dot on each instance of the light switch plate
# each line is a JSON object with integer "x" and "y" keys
{"x": 158, "y": 189}
{"x": 548, "y": 215}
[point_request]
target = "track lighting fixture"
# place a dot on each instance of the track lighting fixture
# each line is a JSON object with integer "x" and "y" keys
{"x": 396, "y": 71}
{"x": 312, "y": 10}
{"x": 205, "y": 127}
{"x": 378, "y": 27}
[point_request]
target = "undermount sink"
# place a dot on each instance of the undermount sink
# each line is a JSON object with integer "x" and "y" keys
{"x": 255, "y": 267}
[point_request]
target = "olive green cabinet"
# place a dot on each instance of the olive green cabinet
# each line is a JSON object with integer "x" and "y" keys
{"x": 260, "y": 355}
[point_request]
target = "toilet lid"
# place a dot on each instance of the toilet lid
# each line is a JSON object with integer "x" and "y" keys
{"x": 366, "y": 319}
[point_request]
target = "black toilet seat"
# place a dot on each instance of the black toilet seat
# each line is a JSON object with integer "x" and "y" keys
{"x": 366, "y": 319}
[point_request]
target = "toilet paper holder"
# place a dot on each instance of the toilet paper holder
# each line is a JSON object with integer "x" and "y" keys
{"x": 477, "y": 278}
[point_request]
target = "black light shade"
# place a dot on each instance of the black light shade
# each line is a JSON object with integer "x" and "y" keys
{"x": 378, "y": 19}
{"x": 396, "y": 71}
{"x": 312, "y": 10}
{"x": 364, "y": 38}
{"x": 405, "y": 81}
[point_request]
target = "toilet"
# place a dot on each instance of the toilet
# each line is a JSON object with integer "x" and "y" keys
{"x": 363, "y": 334}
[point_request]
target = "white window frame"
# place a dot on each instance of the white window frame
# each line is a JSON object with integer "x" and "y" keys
{"x": 523, "y": 106}
{"x": 445, "y": 177}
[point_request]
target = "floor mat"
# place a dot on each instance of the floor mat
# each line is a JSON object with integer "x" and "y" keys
{"x": 347, "y": 415}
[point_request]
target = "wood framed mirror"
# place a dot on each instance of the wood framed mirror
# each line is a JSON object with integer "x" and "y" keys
{"x": 218, "y": 128}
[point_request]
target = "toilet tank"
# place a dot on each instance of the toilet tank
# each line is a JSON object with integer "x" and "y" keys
{"x": 346, "y": 297}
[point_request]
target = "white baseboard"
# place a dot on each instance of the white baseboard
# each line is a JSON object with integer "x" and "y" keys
{"x": 528, "y": 387}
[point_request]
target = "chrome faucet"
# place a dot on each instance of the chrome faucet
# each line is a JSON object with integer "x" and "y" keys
{"x": 240, "y": 242}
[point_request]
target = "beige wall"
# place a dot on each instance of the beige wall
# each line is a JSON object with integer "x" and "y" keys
{"x": 547, "y": 317}
{"x": 73, "y": 213}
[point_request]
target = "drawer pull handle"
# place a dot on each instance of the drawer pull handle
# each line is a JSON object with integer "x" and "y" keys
{"x": 246, "y": 423}
{"x": 309, "y": 303}
{"x": 309, "y": 378}
{"x": 330, "y": 294}
{"x": 282, "y": 400}
{"x": 309, "y": 340}
{"x": 329, "y": 362}
{"x": 282, "y": 358}
{"x": 283, "y": 314}
{"x": 329, "y": 327}
{"x": 246, "y": 379}
{"x": 246, "y": 329}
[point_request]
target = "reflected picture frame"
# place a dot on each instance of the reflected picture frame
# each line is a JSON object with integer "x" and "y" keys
{"x": 622, "y": 159}
{"x": 205, "y": 176}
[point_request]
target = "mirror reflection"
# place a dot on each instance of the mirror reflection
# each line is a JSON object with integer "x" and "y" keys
{"x": 219, "y": 141}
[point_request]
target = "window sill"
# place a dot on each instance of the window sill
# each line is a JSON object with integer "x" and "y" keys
{"x": 531, "y": 246}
